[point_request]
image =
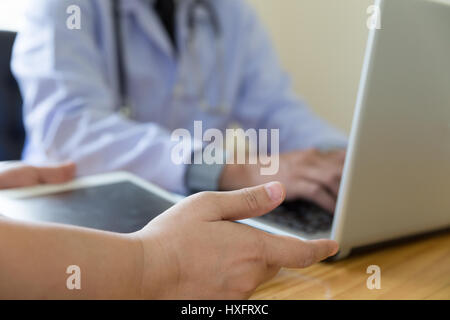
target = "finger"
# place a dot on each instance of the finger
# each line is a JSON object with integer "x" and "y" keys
{"x": 289, "y": 252}
{"x": 18, "y": 176}
{"x": 337, "y": 157}
{"x": 59, "y": 174}
{"x": 330, "y": 179}
{"x": 340, "y": 154}
{"x": 245, "y": 203}
{"x": 307, "y": 157}
{"x": 312, "y": 191}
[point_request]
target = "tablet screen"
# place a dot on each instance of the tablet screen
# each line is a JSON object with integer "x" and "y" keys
{"x": 119, "y": 207}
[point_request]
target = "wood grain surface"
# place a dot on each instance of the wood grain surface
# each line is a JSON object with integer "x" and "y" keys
{"x": 418, "y": 269}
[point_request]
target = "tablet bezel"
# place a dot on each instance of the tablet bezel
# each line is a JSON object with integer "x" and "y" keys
{"x": 88, "y": 182}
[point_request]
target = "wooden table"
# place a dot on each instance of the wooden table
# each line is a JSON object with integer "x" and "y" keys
{"x": 419, "y": 269}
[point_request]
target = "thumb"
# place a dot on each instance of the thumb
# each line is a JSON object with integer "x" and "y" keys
{"x": 247, "y": 203}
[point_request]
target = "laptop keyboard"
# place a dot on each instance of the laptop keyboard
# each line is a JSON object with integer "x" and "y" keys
{"x": 301, "y": 216}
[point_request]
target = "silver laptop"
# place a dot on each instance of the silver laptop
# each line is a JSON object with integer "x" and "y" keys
{"x": 396, "y": 180}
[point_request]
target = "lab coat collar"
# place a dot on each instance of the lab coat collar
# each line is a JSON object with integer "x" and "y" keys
{"x": 153, "y": 28}
{"x": 150, "y": 23}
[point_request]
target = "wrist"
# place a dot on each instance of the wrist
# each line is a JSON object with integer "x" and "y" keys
{"x": 154, "y": 266}
{"x": 136, "y": 251}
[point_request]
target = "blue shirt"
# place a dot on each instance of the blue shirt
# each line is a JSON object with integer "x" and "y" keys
{"x": 69, "y": 83}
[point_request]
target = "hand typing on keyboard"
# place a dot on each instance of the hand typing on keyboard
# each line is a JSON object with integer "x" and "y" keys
{"x": 308, "y": 174}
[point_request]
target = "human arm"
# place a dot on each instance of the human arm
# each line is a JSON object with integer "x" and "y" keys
{"x": 34, "y": 257}
{"x": 307, "y": 174}
{"x": 193, "y": 250}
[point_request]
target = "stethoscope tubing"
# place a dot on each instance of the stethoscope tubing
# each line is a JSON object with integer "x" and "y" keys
{"x": 124, "y": 103}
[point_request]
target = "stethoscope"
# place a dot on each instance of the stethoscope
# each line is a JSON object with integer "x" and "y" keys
{"x": 195, "y": 76}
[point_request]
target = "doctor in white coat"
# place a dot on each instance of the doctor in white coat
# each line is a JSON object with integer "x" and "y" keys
{"x": 166, "y": 63}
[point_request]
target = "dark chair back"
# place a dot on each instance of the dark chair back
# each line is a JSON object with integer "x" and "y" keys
{"x": 12, "y": 133}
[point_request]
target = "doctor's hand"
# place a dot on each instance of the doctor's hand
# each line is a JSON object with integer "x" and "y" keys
{"x": 310, "y": 175}
{"x": 18, "y": 175}
{"x": 195, "y": 251}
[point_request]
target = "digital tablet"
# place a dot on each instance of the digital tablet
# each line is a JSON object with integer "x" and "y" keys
{"x": 117, "y": 202}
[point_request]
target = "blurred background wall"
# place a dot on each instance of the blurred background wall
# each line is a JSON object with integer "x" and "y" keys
{"x": 11, "y": 12}
{"x": 321, "y": 43}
